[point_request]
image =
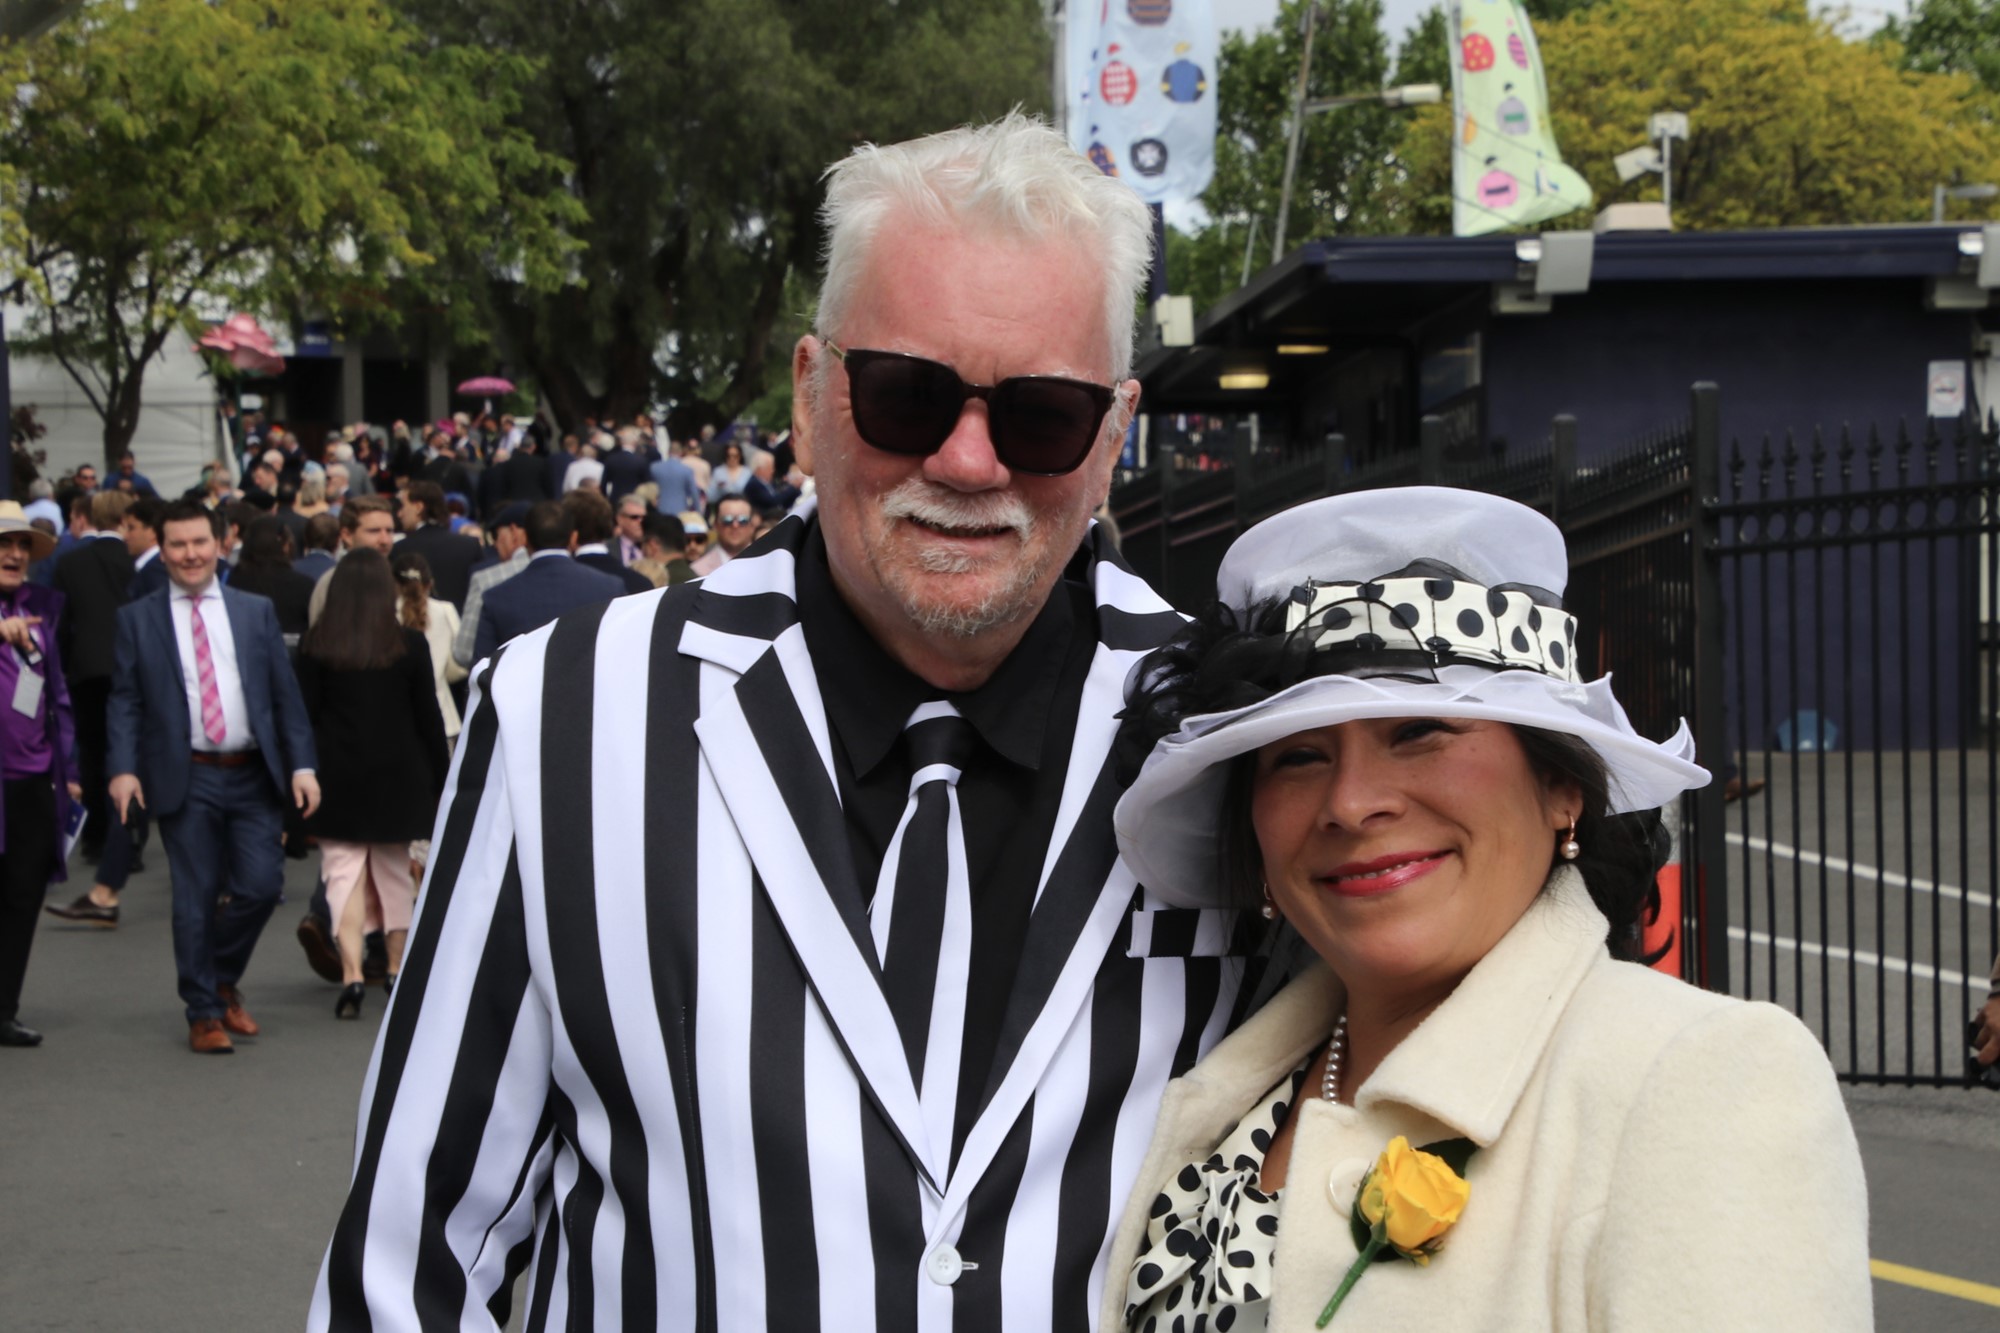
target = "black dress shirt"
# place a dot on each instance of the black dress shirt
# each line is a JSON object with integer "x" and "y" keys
{"x": 1025, "y": 715}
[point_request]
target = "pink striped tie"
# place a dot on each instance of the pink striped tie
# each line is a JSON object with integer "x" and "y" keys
{"x": 204, "y": 671}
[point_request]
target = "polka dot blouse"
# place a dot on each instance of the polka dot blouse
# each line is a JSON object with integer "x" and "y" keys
{"x": 1205, "y": 1264}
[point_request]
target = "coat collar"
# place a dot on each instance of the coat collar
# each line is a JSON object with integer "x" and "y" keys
{"x": 1465, "y": 1066}
{"x": 767, "y": 740}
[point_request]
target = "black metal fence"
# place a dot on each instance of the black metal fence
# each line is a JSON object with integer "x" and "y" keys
{"x": 1825, "y": 611}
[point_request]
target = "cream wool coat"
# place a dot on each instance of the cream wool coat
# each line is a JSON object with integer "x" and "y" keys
{"x": 1651, "y": 1156}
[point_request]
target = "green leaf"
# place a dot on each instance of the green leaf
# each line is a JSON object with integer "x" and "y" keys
{"x": 1455, "y": 1152}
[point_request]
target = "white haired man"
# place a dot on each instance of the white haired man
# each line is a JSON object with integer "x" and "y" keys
{"x": 777, "y": 966}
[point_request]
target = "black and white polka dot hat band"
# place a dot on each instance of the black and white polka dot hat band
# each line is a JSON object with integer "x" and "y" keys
{"x": 1440, "y": 603}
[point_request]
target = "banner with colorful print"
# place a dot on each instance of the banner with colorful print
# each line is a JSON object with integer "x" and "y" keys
{"x": 1141, "y": 92}
{"x": 1506, "y": 171}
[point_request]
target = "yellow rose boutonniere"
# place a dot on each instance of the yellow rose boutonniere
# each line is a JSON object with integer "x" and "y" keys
{"x": 1407, "y": 1202}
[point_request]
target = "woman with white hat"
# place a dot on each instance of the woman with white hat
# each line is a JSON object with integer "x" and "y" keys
{"x": 1379, "y": 738}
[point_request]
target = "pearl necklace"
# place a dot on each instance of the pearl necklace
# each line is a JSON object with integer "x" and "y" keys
{"x": 1329, "y": 1084}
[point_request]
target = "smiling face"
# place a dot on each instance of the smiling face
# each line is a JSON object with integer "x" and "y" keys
{"x": 953, "y": 545}
{"x": 189, "y": 548}
{"x": 1402, "y": 849}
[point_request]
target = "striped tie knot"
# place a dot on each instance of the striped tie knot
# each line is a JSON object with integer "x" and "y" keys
{"x": 940, "y": 744}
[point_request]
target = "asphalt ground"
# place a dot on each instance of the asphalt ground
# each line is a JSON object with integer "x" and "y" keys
{"x": 144, "y": 1187}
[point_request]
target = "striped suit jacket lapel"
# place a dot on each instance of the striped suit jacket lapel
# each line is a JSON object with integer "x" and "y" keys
{"x": 1086, "y": 893}
{"x": 766, "y": 741}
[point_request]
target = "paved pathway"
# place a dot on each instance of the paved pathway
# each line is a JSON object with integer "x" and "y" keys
{"x": 148, "y": 1188}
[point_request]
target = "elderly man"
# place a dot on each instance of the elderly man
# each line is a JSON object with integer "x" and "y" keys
{"x": 777, "y": 966}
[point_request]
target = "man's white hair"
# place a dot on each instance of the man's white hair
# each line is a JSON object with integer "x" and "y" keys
{"x": 1016, "y": 178}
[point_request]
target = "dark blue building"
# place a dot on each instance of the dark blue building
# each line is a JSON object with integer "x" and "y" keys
{"x": 1806, "y": 327}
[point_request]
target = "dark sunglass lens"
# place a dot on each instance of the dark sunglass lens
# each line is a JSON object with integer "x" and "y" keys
{"x": 904, "y": 404}
{"x": 1045, "y": 425}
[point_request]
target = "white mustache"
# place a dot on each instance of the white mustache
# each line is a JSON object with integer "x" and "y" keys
{"x": 942, "y": 507}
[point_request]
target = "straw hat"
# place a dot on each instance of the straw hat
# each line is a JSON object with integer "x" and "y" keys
{"x": 15, "y": 519}
{"x": 1441, "y": 603}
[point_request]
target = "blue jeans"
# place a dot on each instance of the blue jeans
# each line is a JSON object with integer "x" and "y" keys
{"x": 226, "y": 838}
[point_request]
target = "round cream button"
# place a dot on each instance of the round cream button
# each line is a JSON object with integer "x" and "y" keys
{"x": 1343, "y": 1183}
{"x": 944, "y": 1265}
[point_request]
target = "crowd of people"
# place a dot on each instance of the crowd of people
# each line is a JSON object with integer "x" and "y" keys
{"x": 386, "y": 567}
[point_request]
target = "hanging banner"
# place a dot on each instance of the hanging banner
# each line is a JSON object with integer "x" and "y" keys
{"x": 1141, "y": 91}
{"x": 1505, "y": 169}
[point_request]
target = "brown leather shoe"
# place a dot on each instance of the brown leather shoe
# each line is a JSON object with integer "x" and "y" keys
{"x": 321, "y": 956}
{"x": 206, "y": 1037}
{"x": 85, "y": 912}
{"x": 236, "y": 1018}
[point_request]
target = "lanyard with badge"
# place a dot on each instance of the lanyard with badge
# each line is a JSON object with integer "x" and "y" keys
{"x": 28, "y": 680}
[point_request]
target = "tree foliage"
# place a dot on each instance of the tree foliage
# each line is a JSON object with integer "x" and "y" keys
{"x": 313, "y": 157}
{"x": 1791, "y": 124}
{"x": 1949, "y": 36}
{"x": 1347, "y": 176}
{"x": 699, "y": 130}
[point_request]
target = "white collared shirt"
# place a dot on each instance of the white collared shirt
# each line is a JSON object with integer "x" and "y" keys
{"x": 222, "y": 654}
{"x": 146, "y": 557}
{"x": 594, "y": 548}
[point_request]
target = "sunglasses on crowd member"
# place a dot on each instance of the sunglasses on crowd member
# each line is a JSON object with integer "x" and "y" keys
{"x": 1039, "y": 424}
{"x": 736, "y": 520}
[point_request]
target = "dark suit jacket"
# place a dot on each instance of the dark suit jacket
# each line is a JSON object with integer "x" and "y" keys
{"x": 522, "y": 477}
{"x": 290, "y": 593}
{"x": 148, "y": 715}
{"x": 93, "y": 580}
{"x": 314, "y": 563}
{"x": 547, "y": 588}
{"x": 625, "y": 470}
{"x": 149, "y": 578}
{"x": 449, "y": 474}
{"x": 380, "y": 738}
{"x": 451, "y": 559}
{"x": 553, "y": 469}
{"x": 611, "y": 565}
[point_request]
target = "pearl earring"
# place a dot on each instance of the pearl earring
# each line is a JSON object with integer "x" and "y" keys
{"x": 1270, "y": 909}
{"x": 1571, "y": 848}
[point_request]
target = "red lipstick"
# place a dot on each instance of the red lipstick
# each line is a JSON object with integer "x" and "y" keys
{"x": 1362, "y": 879}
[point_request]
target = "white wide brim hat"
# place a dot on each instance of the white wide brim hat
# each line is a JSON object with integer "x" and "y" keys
{"x": 1503, "y": 654}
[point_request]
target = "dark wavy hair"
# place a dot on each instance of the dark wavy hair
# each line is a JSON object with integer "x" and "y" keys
{"x": 1222, "y": 661}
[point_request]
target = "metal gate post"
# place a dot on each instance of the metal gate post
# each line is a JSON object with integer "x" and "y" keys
{"x": 1430, "y": 451}
{"x": 1711, "y": 879}
{"x": 1562, "y": 464}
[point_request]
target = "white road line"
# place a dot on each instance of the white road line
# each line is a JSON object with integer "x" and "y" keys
{"x": 1922, "y": 971}
{"x": 1841, "y": 865}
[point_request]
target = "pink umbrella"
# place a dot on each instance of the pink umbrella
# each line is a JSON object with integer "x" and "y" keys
{"x": 485, "y": 386}
{"x": 243, "y": 341}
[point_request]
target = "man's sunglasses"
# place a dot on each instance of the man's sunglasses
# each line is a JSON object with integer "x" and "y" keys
{"x": 1040, "y": 424}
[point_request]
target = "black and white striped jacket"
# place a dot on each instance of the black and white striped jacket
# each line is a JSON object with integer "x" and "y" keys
{"x": 640, "y": 1044}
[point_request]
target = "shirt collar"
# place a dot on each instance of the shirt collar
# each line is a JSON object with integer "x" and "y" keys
{"x": 207, "y": 593}
{"x": 869, "y": 695}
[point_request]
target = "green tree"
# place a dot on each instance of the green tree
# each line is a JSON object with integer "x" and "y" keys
{"x": 1347, "y": 168}
{"x": 1948, "y": 36}
{"x": 1791, "y": 124}
{"x": 699, "y": 130}
{"x": 312, "y": 157}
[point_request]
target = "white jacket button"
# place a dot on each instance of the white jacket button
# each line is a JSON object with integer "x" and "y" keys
{"x": 1343, "y": 1183}
{"x": 944, "y": 1265}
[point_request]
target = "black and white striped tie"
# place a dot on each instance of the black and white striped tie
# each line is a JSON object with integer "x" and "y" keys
{"x": 921, "y": 916}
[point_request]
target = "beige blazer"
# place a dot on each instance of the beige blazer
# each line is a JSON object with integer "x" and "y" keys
{"x": 1652, "y": 1156}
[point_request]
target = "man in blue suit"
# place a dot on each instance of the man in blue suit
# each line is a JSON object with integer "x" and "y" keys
{"x": 209, "y": 735}
{"x": 552, "y": 584}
